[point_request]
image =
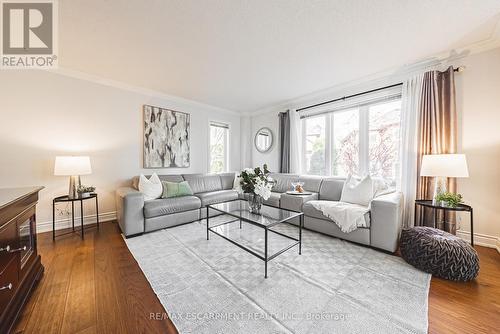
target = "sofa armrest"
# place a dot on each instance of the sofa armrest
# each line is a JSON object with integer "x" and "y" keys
{"x": 130, "y": 210}
{"x": 386, "y": 221}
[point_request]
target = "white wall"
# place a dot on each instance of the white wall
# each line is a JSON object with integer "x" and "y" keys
{"x": 271, "y": 157}
{"x": 478, "y": 106}
{"x": 246, "y": 141}
{"x": 45, "y": 114}
{"x": 478, "y": 102}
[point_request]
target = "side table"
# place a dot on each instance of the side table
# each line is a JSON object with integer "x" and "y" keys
{"x": 435, "y": 207}
{"x": 65, "y": 199}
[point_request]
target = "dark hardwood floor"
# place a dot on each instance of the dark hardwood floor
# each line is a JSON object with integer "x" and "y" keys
{"x": 91, "y": 286}
{"x": 95, "y": 286}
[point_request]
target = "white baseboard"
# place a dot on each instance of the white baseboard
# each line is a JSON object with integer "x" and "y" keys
{"x": 481, "y": 239}
{"x": 66, "y": 222}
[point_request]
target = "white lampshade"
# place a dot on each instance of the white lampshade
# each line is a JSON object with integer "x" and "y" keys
{"x": 72, "y": 166}
{"x": 445, "y": 165}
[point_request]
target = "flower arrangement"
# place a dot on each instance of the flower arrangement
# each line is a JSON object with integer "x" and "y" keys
{"x": 255, "y": 181}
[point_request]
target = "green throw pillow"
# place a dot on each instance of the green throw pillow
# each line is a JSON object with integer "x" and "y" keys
{"x": 173, "y": 189}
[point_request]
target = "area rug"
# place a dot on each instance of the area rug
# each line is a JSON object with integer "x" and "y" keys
{"x": 213, "y": 286}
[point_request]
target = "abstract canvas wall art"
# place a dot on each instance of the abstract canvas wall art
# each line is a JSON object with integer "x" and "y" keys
{"x": 166, "y": 138}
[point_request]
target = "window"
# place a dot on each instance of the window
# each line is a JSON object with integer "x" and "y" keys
{"x": 354, "y": 137}
{"x": 218, "y": 151}
{"x": 315, "y": 145}
{"x": 384, "y": 139}
{"x": 345, "y": 136}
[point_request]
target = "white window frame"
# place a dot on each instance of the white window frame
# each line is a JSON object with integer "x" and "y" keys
{"x": 226, "y": 144}
{"x": 364, "y": 134}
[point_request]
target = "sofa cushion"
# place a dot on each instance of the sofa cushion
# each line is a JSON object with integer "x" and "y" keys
{"x": 169, "y": 178}
{"x": 191, "y": 175}
{"x": 283, "y": 182}
{"x": 311, "y": 183}
{"x": 357, "y": 191}
{"x": 166, "y": 206}
{"x": 176, "y": 189}
{"x": 219, "y": 196}
{"x": 151, "y": 188}
{"x": 310, "y": 211}
{"x": 203, "y": 183}
{"x": 331, "y": 189}
{"x": 227, "y": 180}
{"x": 274, "y": 200}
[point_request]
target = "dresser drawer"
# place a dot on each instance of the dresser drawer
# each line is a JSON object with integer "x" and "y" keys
{"x": 8, "y": 239}
{"x": 8, "y": 283}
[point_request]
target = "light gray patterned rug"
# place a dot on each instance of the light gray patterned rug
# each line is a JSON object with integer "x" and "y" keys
{"x": 333, "y": 287}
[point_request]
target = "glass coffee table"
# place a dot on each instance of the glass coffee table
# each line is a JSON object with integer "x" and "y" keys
{"x": 268, "y": 218}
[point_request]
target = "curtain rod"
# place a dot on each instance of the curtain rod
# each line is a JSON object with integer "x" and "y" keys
{"x": 458, "y": 69}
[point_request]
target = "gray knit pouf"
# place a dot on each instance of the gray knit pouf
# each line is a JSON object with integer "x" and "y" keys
{"x": 439, "y": 253}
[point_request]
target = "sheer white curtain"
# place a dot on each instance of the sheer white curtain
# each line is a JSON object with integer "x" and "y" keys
{"x": 295, "y": 142}
{"x": 410, "y": 108}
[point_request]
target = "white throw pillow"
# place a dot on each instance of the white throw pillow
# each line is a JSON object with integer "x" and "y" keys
{"x": 357, "y": 192}
{"x": 236, "y": 184}
{"x": 152, "y": 188}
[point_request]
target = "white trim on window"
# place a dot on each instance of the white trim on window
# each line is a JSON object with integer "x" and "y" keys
{"x": 364, "y": 144}
{"x": 363, "y": 109}
{"x": 382, "y": 96}
{"x": 227, "y": 129}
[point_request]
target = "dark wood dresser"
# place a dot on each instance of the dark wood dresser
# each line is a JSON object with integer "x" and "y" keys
{"x": 20, "y": 266}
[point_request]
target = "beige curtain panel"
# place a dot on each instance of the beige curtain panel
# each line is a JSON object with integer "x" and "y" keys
{"x": 437, "y": 134}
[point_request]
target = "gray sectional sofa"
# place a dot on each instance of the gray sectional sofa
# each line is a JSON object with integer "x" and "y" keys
{"x": 386, "y": 216}
{"x": 136, "y": 216}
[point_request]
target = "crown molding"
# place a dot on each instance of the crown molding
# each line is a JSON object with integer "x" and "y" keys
{"x": 137, "y": 89}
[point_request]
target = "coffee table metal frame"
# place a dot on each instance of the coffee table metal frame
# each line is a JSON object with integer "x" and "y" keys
{"x": 267, "y": 228}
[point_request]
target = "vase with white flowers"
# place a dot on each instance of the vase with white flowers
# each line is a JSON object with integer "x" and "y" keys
{"x": 257, "y": 183}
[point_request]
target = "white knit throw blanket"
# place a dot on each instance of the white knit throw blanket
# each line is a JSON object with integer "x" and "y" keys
{"x": 347, "y": 216}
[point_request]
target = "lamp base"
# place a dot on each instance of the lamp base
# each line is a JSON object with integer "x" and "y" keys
{"x": 74, "y": 183}
{"x": 439, "y": 187}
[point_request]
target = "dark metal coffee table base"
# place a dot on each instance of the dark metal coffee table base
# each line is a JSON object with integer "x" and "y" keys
{"x": 266, "y": 258}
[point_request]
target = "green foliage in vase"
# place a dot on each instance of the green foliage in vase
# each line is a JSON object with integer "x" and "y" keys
{"x": 451, "y": 199}
{"x": 85, "y": 189}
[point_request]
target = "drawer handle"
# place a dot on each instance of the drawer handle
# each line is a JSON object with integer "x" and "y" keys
{"x": 17, "y": 250}
{"x": 8, "y": 286}
{"x": 5, "y": 249}
{"x": 8, "y": 250}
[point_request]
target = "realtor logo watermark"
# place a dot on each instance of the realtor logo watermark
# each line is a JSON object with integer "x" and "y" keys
{"x": 29, "y": 34}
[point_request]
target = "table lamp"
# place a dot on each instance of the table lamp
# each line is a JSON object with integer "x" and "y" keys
{"x": 442, "y": 166}
{"x": 73, "y": 167}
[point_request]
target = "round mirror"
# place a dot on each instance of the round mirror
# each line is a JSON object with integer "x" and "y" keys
{"x": 264, "y": 140}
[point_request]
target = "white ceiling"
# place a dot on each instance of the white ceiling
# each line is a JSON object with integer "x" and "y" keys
{"x": 244, "y": 55}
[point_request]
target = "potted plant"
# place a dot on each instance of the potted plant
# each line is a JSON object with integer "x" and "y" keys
{"x": 85, "y": 191}
{"x": 257, "y": 183}
{"x": 448, "y": 199}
